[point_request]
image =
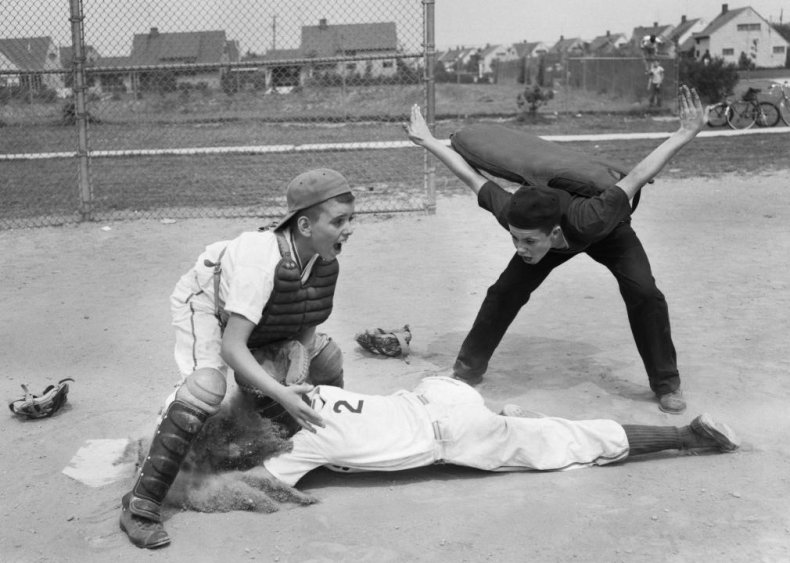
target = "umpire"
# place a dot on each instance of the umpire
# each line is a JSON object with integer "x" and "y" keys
{"x": 549, "y": 226}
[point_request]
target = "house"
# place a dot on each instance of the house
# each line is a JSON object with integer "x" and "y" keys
{"x": 609, "y": 44}
{"x": 325, "y": 42}
{"x": 490, "y": 55}
{"x": 209, "y": 49}
{"x": 738, "y": 31}
{"x": 452, "y": 59}
{"x": 573, "y": 47}
{"x": 655, "y": 40}
{"x": 683, "y": 34}
{"x": 34, "y": 59}
{"x": 530, "y": 49}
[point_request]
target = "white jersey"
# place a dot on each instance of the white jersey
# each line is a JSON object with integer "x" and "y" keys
{"x": 442, "y": 420}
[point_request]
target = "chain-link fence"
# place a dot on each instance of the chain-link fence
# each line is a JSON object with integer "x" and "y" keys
{"x": 184, "y": 108}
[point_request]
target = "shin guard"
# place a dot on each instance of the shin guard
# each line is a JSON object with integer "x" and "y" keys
{"x": 180, "y": 424}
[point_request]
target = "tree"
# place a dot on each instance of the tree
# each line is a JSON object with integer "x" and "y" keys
{"x": 713, "y": 81}
{"x": 745, "y": 62}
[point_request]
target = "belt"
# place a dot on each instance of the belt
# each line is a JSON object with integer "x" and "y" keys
{"x": 437, "y": 429}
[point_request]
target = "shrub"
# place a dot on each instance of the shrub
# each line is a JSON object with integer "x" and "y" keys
{"x": 713, "y": 81}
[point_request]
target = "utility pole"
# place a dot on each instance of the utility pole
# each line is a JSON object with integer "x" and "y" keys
{"x": 274, "y": 32}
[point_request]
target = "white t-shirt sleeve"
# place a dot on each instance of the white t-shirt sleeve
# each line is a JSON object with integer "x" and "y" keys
{"x": 248, "y": 270}
{"x": 305, "y": 456}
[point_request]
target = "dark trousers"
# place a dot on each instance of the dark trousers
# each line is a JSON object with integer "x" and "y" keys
{"x": 622, "y": 253}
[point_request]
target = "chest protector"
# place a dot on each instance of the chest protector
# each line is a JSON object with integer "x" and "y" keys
{"x": 294, "y": 306}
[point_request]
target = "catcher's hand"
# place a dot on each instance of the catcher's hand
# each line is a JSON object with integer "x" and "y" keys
{"x": 43, "y": 406}
{"x": 288, "y": 362}
{"x": 391, "y": 343}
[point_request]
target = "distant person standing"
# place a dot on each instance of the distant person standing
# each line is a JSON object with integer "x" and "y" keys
{"x": 656, "y": 78}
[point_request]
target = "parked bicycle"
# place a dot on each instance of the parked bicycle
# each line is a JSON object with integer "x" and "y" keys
{"x": 784, "y": 100}
{"x": 717, "y": 115}
{"x": 744, "y": 113}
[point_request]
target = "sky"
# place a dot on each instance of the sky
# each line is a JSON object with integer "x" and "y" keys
{"x": 477, "y": 22}
{"x": 110, "y": 24}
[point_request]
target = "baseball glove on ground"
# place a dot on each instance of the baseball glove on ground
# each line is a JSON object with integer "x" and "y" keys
{"x": 288, "y": 362}
{"x": 43, "y": 406}
{"x": 391, "y": 343}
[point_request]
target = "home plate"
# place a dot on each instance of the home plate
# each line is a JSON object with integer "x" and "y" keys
{"x": 100, "y": 462}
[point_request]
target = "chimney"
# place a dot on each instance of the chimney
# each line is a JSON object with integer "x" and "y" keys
{"x": 724, "y": 8}
{"x": 655, "y": 24}
{"x": 322, "y": 23}
{"x": 683, "y": 18}
{"x": 154, "y": 32}
{"x": 607, "y": 33}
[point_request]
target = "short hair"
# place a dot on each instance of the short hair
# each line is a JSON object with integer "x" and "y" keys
{"x": 314, "y": 211}
{"x": 534, "y": 207}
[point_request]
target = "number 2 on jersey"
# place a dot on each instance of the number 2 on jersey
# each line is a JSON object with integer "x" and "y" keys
{"x": 340, "y": 405}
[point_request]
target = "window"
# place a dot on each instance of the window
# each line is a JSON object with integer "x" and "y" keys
{"x": 351, "y": 66}
{"x": 728, "y": 52}
{"x": 386, "y": 64}
{"x": 779, "y": 50}
{"x": 748, "y": 27}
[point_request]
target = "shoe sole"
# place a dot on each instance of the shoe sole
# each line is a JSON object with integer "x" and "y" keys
{"x": 720, "y": 432}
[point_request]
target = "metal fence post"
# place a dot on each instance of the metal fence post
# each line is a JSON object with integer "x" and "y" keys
{"x": 80, "y": 112}
{"x": 430, "y": 100}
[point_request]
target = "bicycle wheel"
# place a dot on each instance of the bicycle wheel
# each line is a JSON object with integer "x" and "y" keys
{"x": 767, "y": 115}
{"x": 784, "y": 110}
{"x": 741, "y": 115}
{"x": 717, "y": 116}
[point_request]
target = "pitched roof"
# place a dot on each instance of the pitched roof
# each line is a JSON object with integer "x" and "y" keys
{"x": 26, "y": 53}
{"x": 720, "y": 20}
{"x": 564, "y": 45}
{"x": 663, "y": 31}
{"x": 682, "y": 28}
{"x": 326, "y": 40}
{"x": 198, "y": 47}
{"x": 605, "y": 40}
{"x": 524, "y": 48}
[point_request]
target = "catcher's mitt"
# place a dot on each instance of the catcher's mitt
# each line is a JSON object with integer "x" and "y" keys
{"x": 43, "y": 406}
{"x": 391, "y": 343}
{"x": 288, "y": 362}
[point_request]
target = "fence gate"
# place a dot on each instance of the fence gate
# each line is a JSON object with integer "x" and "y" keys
{"x": 112, "y": 109}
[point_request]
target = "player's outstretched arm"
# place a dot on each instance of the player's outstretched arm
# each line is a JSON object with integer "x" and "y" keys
{"x": 693, "y": 117}
{"x": 419, "y": 133}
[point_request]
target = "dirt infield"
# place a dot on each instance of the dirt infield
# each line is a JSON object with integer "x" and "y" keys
{"x": 91, "y": 302}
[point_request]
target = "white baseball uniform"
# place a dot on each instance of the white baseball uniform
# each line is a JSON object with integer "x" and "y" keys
{"x": 249, "y": 263}
{"x": 442, "y": 420}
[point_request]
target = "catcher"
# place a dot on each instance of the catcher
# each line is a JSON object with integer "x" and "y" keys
{"x": 240, "y": 297}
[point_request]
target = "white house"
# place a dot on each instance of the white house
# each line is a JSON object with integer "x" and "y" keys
{"x": 738, "y": 31}
{"x": 683, "y": 34}
{"x": 491, "y": 53}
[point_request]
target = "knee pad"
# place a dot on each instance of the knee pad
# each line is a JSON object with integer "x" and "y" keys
{"x": 326, "y": 368}
{"x": 203, "y": 389}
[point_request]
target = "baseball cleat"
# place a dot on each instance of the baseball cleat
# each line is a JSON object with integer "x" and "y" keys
{"x": 721, "y": 434}
{"x": 142, "y": 532}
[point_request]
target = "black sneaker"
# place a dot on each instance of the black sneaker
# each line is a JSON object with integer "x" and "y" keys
{"x": 718, "y": 433}
{"x": 142, "y": 532}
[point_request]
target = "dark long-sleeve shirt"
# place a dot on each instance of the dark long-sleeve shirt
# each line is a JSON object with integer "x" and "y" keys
{"x": 585, "y": 220}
